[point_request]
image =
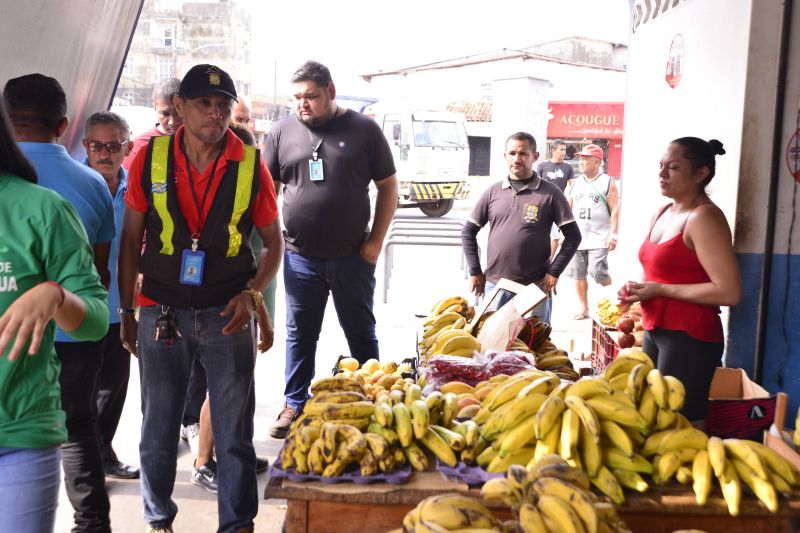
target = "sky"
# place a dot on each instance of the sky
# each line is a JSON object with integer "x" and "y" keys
{"x": 355, "y": 37}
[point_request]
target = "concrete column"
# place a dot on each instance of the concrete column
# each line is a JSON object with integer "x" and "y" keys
{"x": 518, "y": 104}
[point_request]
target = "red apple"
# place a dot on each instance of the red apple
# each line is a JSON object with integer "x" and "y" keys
{"x": 626, "y": 340}
{"x": 625, "y": 325}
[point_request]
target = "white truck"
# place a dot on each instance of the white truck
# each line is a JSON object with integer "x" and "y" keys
{"x": 431, "y": 153}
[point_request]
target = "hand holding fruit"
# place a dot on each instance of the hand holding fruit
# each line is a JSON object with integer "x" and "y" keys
{"x": 640, "y": 291}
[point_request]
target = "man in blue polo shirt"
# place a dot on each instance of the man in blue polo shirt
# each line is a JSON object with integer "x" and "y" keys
{"x": 107, "y": 142}
{"x": 37, "y": 107}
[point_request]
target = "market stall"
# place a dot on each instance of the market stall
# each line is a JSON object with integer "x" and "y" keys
{"x": 493, "y": 410}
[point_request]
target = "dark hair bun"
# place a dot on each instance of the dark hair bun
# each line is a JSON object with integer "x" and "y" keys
{"x": 716, "y": 147}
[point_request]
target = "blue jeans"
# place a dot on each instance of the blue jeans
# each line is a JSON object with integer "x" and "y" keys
{"x": 29, "y": 481}
{"x": 308, "y": 281}
{"x": 543, "y": 310}
{"x": 229, "y": 361}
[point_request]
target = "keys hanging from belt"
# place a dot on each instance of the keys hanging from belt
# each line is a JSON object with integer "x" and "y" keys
{"x": 166, "y": 327}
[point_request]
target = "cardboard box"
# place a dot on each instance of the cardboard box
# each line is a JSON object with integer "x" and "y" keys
{"x": 501, "y": 328}
{"x": 737, "y": 407}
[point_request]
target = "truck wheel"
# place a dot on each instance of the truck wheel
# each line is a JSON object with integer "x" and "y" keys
{"x": 437, "y": 209}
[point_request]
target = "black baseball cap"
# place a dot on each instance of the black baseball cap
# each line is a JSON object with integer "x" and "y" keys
{"x": 206, "y": 79}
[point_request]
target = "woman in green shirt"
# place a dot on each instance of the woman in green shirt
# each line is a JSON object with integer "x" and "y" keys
{"x": 47, "y": 277}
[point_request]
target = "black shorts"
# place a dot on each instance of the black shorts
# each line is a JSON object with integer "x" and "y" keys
{"x": 675, "y": 353}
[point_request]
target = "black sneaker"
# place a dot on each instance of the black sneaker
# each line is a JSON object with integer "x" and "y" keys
{"x": 261, "y": 465}
{"x": 206, "y": 476}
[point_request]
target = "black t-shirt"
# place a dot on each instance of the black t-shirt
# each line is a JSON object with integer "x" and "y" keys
{"x": 327, "y": 218}
{"x": 556, "y": 173}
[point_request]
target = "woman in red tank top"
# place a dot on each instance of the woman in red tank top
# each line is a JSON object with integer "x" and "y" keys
{"x": 690, "y": 270}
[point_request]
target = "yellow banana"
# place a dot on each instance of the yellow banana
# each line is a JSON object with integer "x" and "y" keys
{"x": 578, "y": 499}
{"x": 389, "y": 434}
{"x": 334, "y": 411}
{"x": 355, "y": 443}
{"x": 420, "y": 418}
{"x": 669, "y": 463}
{"x": 452, "y": 438}
{"x": 286, "y": 455}
{"x": 617, "y": 436}
{"x": 442, "y": 318}
{"x": 458, "y": 342}
{"x": 636, "y": 379}
{"x": 655, "y": 380}
{"x": 620, "y": 365}
{"x": 306, "y": 437}
{"x": 411, "y": 519}
{"x": 737, "y": 448}
{"x": 368, "y": 464}
{"x": 316, "y": 462}
{"x": 444, "y": 303}
{"x": 588, "y": 387}
{"x": 591, "y": 453}
{"x": 614, "y": 458}
{"x": 402, "y": 424}
{"x": 666, "y": 419}
{"x": 716, "y": 455}
{"x": 449, "y": 408}
{"x": 635, "y": 352}
{"x": 519, "y": 457}
{"x": 337, "y": 397}
{"x": 377, "y": 445}
{"x": 775, "y": 462}
{"x": 548, "y": 445}
{"x": 486, "y": 456}
{"x": 683, "y": 438}
{"x": 676, "y": 393}
{"x": 653, "y": 442}
{"x": 517, "y": 437}
{"x": 560, "y": 513}
{"x": 540, "y": 385}
{"x": 507, "y": 391}
{"x": 331, "y": 384}
{"x": 621, "y": 397}
{"x": 490, "y": 427}
{"x": 328, "y": 436}
{"x": 608, "y": 485}
{"x": 623, "y": 415}
{"x": 439, "y": 447}
{"x": 619, "y": 382}
{"x": 520, "y": 410}
{"x": 684, "y": 475}
{"x": 570, "y": 431}
{"x": 630, "y": 479}
{"x": 501, "y": 490}
{"x": 456, "y": 387}
{"x": 470, "y": 454}
{"x": 587, "y": 416}
{"x": 416, "y": 457}
{"x": 469, "y": 430}
{"x": 383, "y": 412}
{"x": 763, "y": 489}
{"x": 731, "y": 488}
{"x": 648, "y": 409}
{"x": 548, "y": 414}
{"x": 560, "y": 390}
{"x": 531, "y": 520}
{"x": 300, "y": 460}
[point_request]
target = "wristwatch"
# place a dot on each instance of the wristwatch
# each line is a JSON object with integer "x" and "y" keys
{"x": 126, "y": 310}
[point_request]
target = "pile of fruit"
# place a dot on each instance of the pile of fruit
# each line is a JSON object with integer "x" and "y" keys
{"x": 375, "y": 376}
{"x": 450, "y": 512}
{"x": 608, "y": 313}
{"x": 443, "y": 330}
{"x": 552, "y": 496}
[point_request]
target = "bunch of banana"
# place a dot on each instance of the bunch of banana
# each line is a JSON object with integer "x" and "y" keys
{"x": 507, "y": 416}
{"x": 411, "y": 421}
{"x": 552, "y": 496}
{"x": 443, "y": 329}
{"x": 558, "y": 362}
{"x": 608, "y": 313}
{"x": 374, "y": 375}
{"x": 450, "y": 512}
{"x": 735, "y": 462}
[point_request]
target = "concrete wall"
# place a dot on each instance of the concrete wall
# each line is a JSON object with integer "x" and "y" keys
{"x": 727, "y": 91}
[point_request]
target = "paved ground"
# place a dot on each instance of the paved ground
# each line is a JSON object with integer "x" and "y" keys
{"x": 420, "y": 276}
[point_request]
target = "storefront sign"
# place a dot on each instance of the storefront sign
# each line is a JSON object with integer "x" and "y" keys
{"x": 585, "y": 120}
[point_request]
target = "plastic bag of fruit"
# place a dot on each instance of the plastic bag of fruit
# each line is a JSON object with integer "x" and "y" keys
{"x": 509, "y": 362}
{"x": 446, "y": 368}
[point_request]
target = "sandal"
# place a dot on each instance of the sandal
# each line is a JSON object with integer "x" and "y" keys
{"x": 580, "y": 316}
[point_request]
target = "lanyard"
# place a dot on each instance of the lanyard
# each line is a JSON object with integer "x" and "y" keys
{"x": 200, "y": 216}
{"x": 315, "y": 147}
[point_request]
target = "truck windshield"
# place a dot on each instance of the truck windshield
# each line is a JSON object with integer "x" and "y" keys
{"x": 439, "y": 133}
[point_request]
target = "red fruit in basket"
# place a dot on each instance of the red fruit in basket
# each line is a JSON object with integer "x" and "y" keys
{"x": 626, "y": 340}
{"x": 625, "y": 325}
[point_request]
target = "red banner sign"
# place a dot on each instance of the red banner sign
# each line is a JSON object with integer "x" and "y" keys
{"x": 579, "y": 120}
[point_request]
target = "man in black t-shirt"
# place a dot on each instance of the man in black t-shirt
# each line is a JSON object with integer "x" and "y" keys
{"x": 323, "y": 159}
{"x": 557, "y": 172}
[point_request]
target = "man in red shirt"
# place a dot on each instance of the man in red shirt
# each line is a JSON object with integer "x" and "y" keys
{"x": 198, "y": 194}
{"x": 168, "y": 119}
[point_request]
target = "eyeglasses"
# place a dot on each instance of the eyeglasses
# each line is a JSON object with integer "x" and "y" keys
{"x": 112, "y": 147}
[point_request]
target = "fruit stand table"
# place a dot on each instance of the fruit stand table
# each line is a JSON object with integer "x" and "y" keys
{"x": 316, "y": 507}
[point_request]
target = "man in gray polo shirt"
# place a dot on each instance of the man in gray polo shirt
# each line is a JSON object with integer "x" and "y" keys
{"x": 520, "y": 211}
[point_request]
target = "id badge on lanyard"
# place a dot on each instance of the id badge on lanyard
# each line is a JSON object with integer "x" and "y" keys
{"x": 192, "y": 264}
